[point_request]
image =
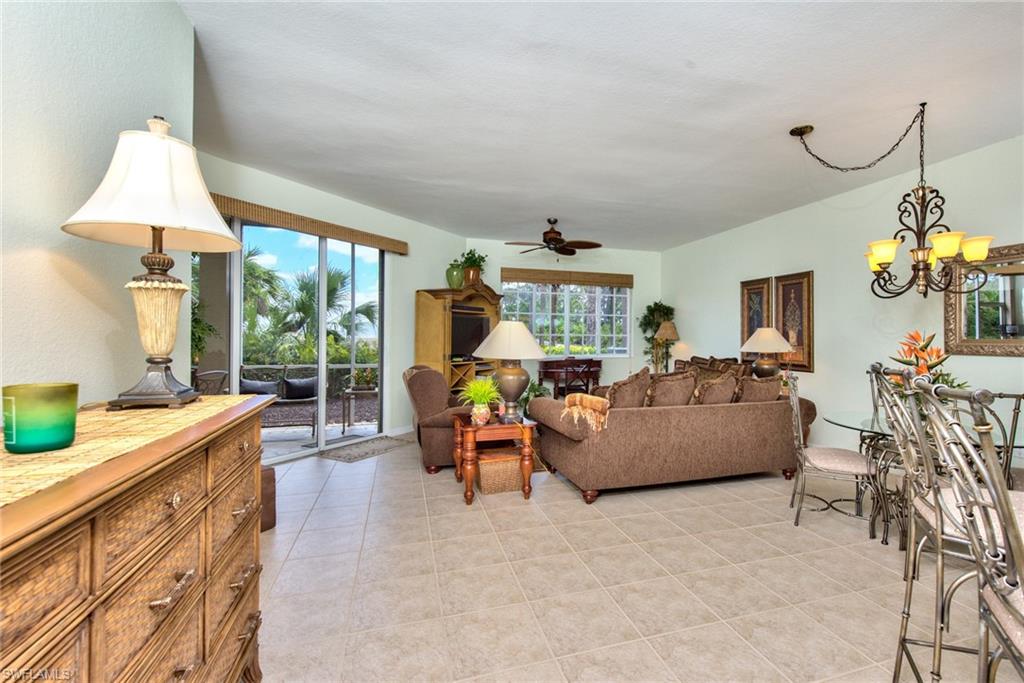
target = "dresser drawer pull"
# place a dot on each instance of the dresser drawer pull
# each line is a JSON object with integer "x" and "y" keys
{"x": 251, "y": 626}
{"x": 244, "y": 511}
{"x": 243, "y": 578}
{"x": 184, "y": 579}
{"x": 243, "y": 446}
{"x": 183, "y": 672}
{"x": 175, "y": 501}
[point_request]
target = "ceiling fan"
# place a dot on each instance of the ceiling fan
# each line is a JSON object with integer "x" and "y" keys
{"x": 553, "y": 241}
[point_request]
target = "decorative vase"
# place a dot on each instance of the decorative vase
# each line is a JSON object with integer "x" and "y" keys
{"x": 471, "y": 276}
{"x": 454, "y": 276}
{"x": 480, "y": 414}
{"x": 39, "y": 417}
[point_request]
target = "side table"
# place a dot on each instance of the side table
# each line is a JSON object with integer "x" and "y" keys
{"x": 466, "y": 453}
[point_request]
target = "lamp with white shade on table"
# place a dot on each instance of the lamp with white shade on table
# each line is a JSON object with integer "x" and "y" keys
{"x": 511, "y": 342}
{"x": 766, "y": 340}
{"x": 153, "y": 195}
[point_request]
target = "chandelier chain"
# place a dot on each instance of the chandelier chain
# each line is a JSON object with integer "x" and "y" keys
{"x": 919, "y": 116}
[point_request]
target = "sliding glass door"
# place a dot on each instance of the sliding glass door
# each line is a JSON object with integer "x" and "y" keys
{"x": 306, "y": 311}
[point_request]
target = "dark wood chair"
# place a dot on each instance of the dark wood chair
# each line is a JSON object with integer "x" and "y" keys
{"x": 571, "y": 375}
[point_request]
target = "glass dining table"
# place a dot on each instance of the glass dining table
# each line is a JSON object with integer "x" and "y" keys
{"x": 876, "y": 443}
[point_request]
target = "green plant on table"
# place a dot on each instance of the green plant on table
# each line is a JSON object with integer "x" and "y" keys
{"x": 533, "y": 390}
{"x": 480, "y": 392}
{"x": 364, "y": 377}
{"x": 473, "y": 259}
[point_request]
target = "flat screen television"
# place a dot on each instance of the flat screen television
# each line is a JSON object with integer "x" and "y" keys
{"x": 468, "y": 332}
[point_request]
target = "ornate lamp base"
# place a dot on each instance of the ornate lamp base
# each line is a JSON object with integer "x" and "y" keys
{"x": 157, "y": 388}
{"x": 512, "y": 381}
{"x": 766, "y": 367}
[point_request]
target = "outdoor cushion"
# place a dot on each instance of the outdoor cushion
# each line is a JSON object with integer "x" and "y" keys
{"x": 716, "y": 391}
{"x": 255, "y": 386}
{"x": 630, "y": 392}
{"x": 758, "y": 389}
{"x": 300, "y": 388}
{"x": 671, "y": 389}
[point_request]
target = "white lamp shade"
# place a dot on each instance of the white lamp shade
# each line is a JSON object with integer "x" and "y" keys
{"x": 510, "y": 340}
{"x": 766, "y": 340}
{"x": 153, "y": 180}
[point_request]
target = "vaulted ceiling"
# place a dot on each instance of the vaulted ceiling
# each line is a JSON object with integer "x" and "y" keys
{"x": 638, "y": 125}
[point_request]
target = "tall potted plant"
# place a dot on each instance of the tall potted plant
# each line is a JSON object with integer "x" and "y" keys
{"x": 480, "y": 393}
{"x": 654, "y": 315}
{"x": 472, "y": 266}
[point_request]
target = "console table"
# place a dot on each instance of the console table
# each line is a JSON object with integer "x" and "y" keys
{"x": 570, "y": 374}
{"x": 133, "y": 555}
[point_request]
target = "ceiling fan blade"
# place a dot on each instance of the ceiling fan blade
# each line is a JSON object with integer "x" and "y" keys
{"x": 526, "y": 244}
{"x": 565, "y": 251}
{"x": 534, "y": 249}
{"x": 582, "y": 244}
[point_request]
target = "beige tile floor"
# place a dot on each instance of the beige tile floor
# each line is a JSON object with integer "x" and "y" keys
{"x": 378, "y": 571}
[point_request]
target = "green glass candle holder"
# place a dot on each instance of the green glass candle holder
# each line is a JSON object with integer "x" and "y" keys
{"x": 39, "y": 417}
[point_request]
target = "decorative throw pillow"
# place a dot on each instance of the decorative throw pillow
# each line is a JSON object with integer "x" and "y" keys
{"x": 300, "y": 388}
{"x": 255, "y": 386}
{"x": 700, "y": 360}
{"x": 630, "y": 392}
{"x": 716, "y": 391}
{"x": 671, "y": 389}
{"x": 707, "y": 374}
{"x": 758, "y": 389}
{"x": 683, "y": 366}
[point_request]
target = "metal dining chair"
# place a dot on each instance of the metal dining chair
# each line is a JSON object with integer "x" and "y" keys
{"x": 839, "y": 464}
{"x": 990, "y": 516}
{"x": 929, "y": 519}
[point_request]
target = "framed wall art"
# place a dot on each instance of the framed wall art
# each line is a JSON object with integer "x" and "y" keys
{"x": 755, "y": 309}
{"x": 794, "y": 318}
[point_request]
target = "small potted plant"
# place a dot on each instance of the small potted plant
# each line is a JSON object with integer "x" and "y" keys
{"x": 364, "y": 379}
{"x": 533, "y": 390}
{"x": 480, "y": 393}
{"x": 472, "y": 266}
{"x": 454, "y": 274}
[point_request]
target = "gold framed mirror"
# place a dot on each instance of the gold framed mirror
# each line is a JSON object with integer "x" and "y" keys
{"x": 989, "y": 322}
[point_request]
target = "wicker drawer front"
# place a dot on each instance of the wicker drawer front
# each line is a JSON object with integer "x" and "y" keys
{"x": 227, "y": 452}
{"x": 231, "y": 581}
{"x": 185, "y": 657}
{"x": 135, "y": 613}
{"x": 233, "y": 508}
{"x": 241, "y": 632}
{"x": 40, "y": 583}
{"x": 68, "y": 661}
{"x": 151, "y": 512}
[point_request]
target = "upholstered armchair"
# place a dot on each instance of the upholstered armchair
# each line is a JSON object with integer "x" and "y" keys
{"x": 433, "y": 409}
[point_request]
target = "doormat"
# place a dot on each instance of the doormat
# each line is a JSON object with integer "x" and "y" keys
{"x": 367, "y": 449}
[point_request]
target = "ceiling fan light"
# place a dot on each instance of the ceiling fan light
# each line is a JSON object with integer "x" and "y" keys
{"x": 976, "y": 248}
{"x": 946, "y": 244}
{"x": 872, "y": 262}
{"x": 884, "y": 251}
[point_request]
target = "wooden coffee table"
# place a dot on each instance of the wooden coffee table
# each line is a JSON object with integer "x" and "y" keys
{"x": 466, "y": 453}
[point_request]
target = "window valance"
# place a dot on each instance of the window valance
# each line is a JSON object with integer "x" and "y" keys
{"x": 566, "y": 277}
{"x": 264, "y": 215}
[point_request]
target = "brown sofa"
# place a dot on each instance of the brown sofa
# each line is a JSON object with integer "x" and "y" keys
{"x": 433, "y": 408}
{"x": 646, "y": 446}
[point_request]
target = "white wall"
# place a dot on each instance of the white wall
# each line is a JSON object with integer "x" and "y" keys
{"x": 852, "y": 327}
{"x": 74, "y": 75}
{"x": 430, "y": 251}
{"x": 645, "y": 266}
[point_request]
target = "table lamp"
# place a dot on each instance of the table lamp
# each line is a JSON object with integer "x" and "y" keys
{"x": 766, "y": 340}
{"x": 511, "y": 342}
{"x": 666, "y": 334}
{"x": 153, "y": 195}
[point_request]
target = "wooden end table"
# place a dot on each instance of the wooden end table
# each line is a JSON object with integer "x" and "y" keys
{"x": 466, "y": 453}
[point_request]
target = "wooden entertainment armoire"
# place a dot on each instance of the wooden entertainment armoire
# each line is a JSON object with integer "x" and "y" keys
{"x": 434, "y": 309}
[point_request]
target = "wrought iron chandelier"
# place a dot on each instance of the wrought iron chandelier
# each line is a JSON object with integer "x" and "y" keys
{"x": 920, "y": 213}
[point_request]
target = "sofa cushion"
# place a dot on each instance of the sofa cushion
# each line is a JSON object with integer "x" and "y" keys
{"x": 255, "y": 386}
{"x": 715, "y": 391}
{"x": 758, "y": 389}
{"x": 630, "y": 392}
{"x": 300, "y": 388}
{"x": 671, "y": 389}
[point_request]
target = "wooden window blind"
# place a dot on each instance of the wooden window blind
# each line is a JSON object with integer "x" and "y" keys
{"x": 275, "y": 218}
{"x": 566, "y": 277}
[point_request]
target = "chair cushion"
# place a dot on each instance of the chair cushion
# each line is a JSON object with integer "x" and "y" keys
{"x": 255, "y": 386}
{"x": 671, "y": 389}
{"x": 1004, "y": 615}
{"x": 630, "y": 392}
{"x": 300, "y": 388}
{"x": 758, "y": 389}
{"x": 840, "y": 460}
{"x": 715, "y": 391}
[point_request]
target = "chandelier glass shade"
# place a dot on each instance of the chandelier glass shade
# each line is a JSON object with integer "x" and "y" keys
{"x": 934, "y": 247}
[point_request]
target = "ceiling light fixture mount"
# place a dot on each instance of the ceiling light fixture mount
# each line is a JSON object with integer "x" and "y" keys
{"x": 920, "y": 214}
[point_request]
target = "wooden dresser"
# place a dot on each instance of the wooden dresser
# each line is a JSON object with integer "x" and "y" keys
{"x": 133, "y": 555}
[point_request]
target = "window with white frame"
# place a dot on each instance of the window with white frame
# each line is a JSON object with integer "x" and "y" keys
{"x": 571, "y": 319}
